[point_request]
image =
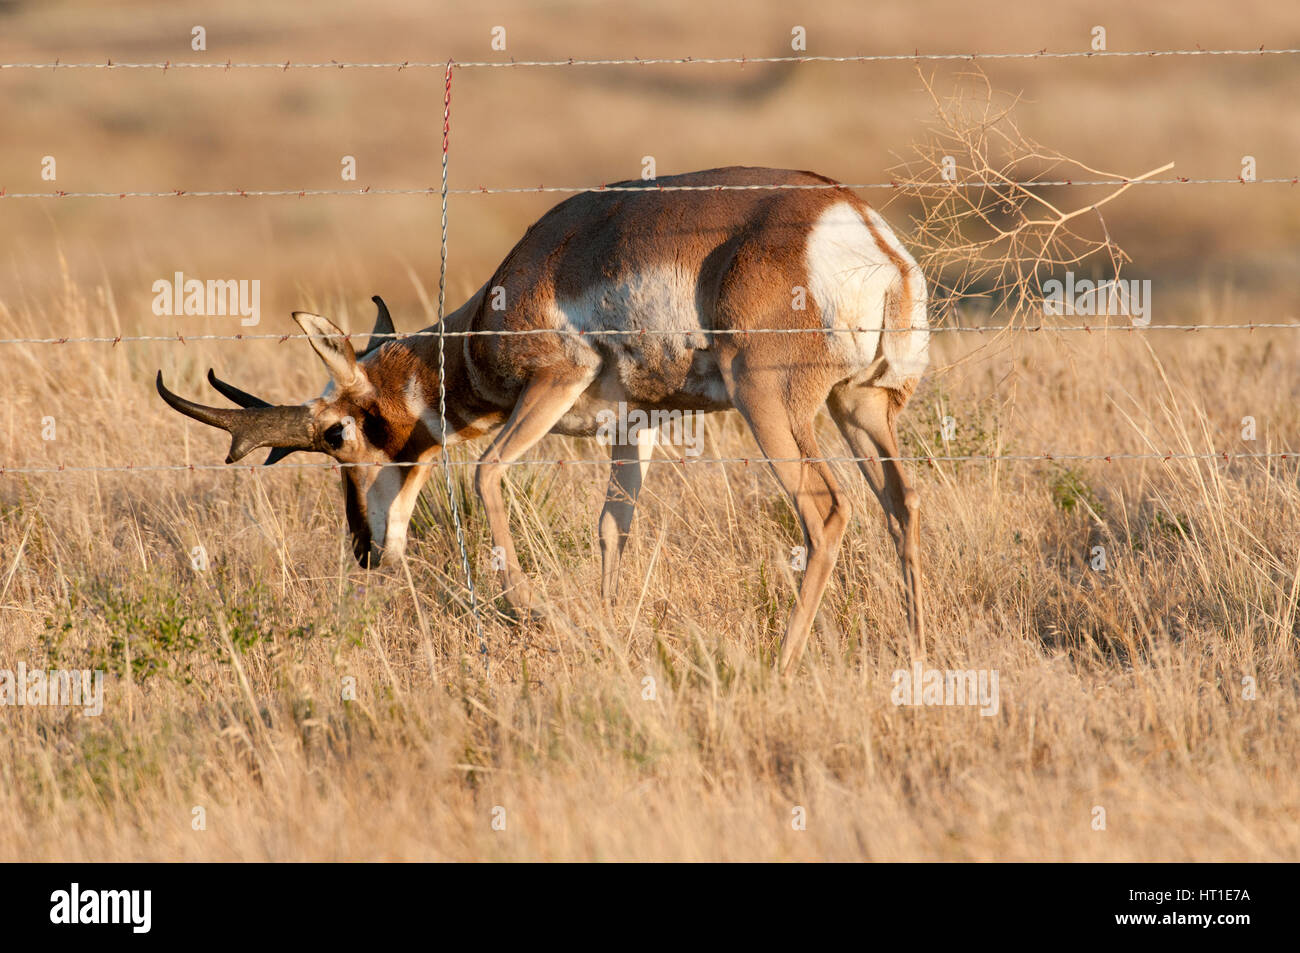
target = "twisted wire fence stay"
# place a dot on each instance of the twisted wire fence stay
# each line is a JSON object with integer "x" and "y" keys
{"x": 442, "y": 382}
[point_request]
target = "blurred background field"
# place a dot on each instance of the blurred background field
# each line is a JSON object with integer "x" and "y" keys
{"x": 148, "y": 130}
{"x": 1121, "y": 690}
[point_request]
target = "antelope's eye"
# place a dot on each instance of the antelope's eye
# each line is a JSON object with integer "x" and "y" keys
{"x": 334, "y": 437}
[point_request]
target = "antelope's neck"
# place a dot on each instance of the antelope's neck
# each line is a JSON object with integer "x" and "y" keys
{"x": 468, "y": 414}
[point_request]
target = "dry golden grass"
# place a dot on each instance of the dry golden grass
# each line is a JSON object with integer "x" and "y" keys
{"x": 1120, "y": 689}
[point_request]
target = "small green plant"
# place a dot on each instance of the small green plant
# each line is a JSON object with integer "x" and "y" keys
{"x": 151, "y": 632}
{"x": 155, "y": 629}
{"x": 1070, "y": 491}
{"x": 780, "y": 512}
{"x": 247, "y": 628}
{"x": 941, "y": 428}
{"x": 1173, "y": 526}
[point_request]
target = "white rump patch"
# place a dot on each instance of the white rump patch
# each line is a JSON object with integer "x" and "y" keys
{"x": 850, "y": 276}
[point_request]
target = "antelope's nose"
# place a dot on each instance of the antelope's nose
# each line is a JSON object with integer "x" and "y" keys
{"x": 367, "y": 553}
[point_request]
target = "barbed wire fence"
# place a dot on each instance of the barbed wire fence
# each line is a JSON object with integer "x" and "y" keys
{"x": 895, "y": 185}
{"x": 982, "y": 177}
{"x": 916, "y": 56}
{"x": 1225, "y": 456}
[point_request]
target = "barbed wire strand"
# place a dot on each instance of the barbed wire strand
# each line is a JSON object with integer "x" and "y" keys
{"x": 180, "y": 338}
{"x": 1225, "y": 456}
{"x": 649, "y": 187}
{"x": 916, "y": 56}
{"x": 442, "y": 381}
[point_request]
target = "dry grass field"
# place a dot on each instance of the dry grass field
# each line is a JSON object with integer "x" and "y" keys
{"x": 1164, "y": 690}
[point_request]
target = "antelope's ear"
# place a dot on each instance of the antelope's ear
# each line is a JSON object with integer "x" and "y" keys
{"x": 334, "y": 349}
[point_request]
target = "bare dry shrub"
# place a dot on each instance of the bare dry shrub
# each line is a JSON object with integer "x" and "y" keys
{"x": 985, "y": 227}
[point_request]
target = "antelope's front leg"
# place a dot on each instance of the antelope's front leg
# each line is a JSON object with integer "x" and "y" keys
{"x": 516, "y": 588}
{"x": 544, "y": 400}
{"x": 629, "y": 462}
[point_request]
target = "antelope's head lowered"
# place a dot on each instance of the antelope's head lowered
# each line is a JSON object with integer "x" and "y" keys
{"x": 373, "y": 412}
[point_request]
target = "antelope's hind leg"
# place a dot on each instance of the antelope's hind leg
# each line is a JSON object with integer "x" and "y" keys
{"x": 866, "y": 417}
{"x": 627, "y": 471}
{"x": 785, "y": 436}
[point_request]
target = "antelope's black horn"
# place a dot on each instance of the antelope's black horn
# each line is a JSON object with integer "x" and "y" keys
{"x": 242, "y": 398}
{"x": 289, "y": 428}
{"x": 384, "y": 329}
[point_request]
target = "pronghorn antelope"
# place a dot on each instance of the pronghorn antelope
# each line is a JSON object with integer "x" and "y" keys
{"x": 685, "y": 262}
